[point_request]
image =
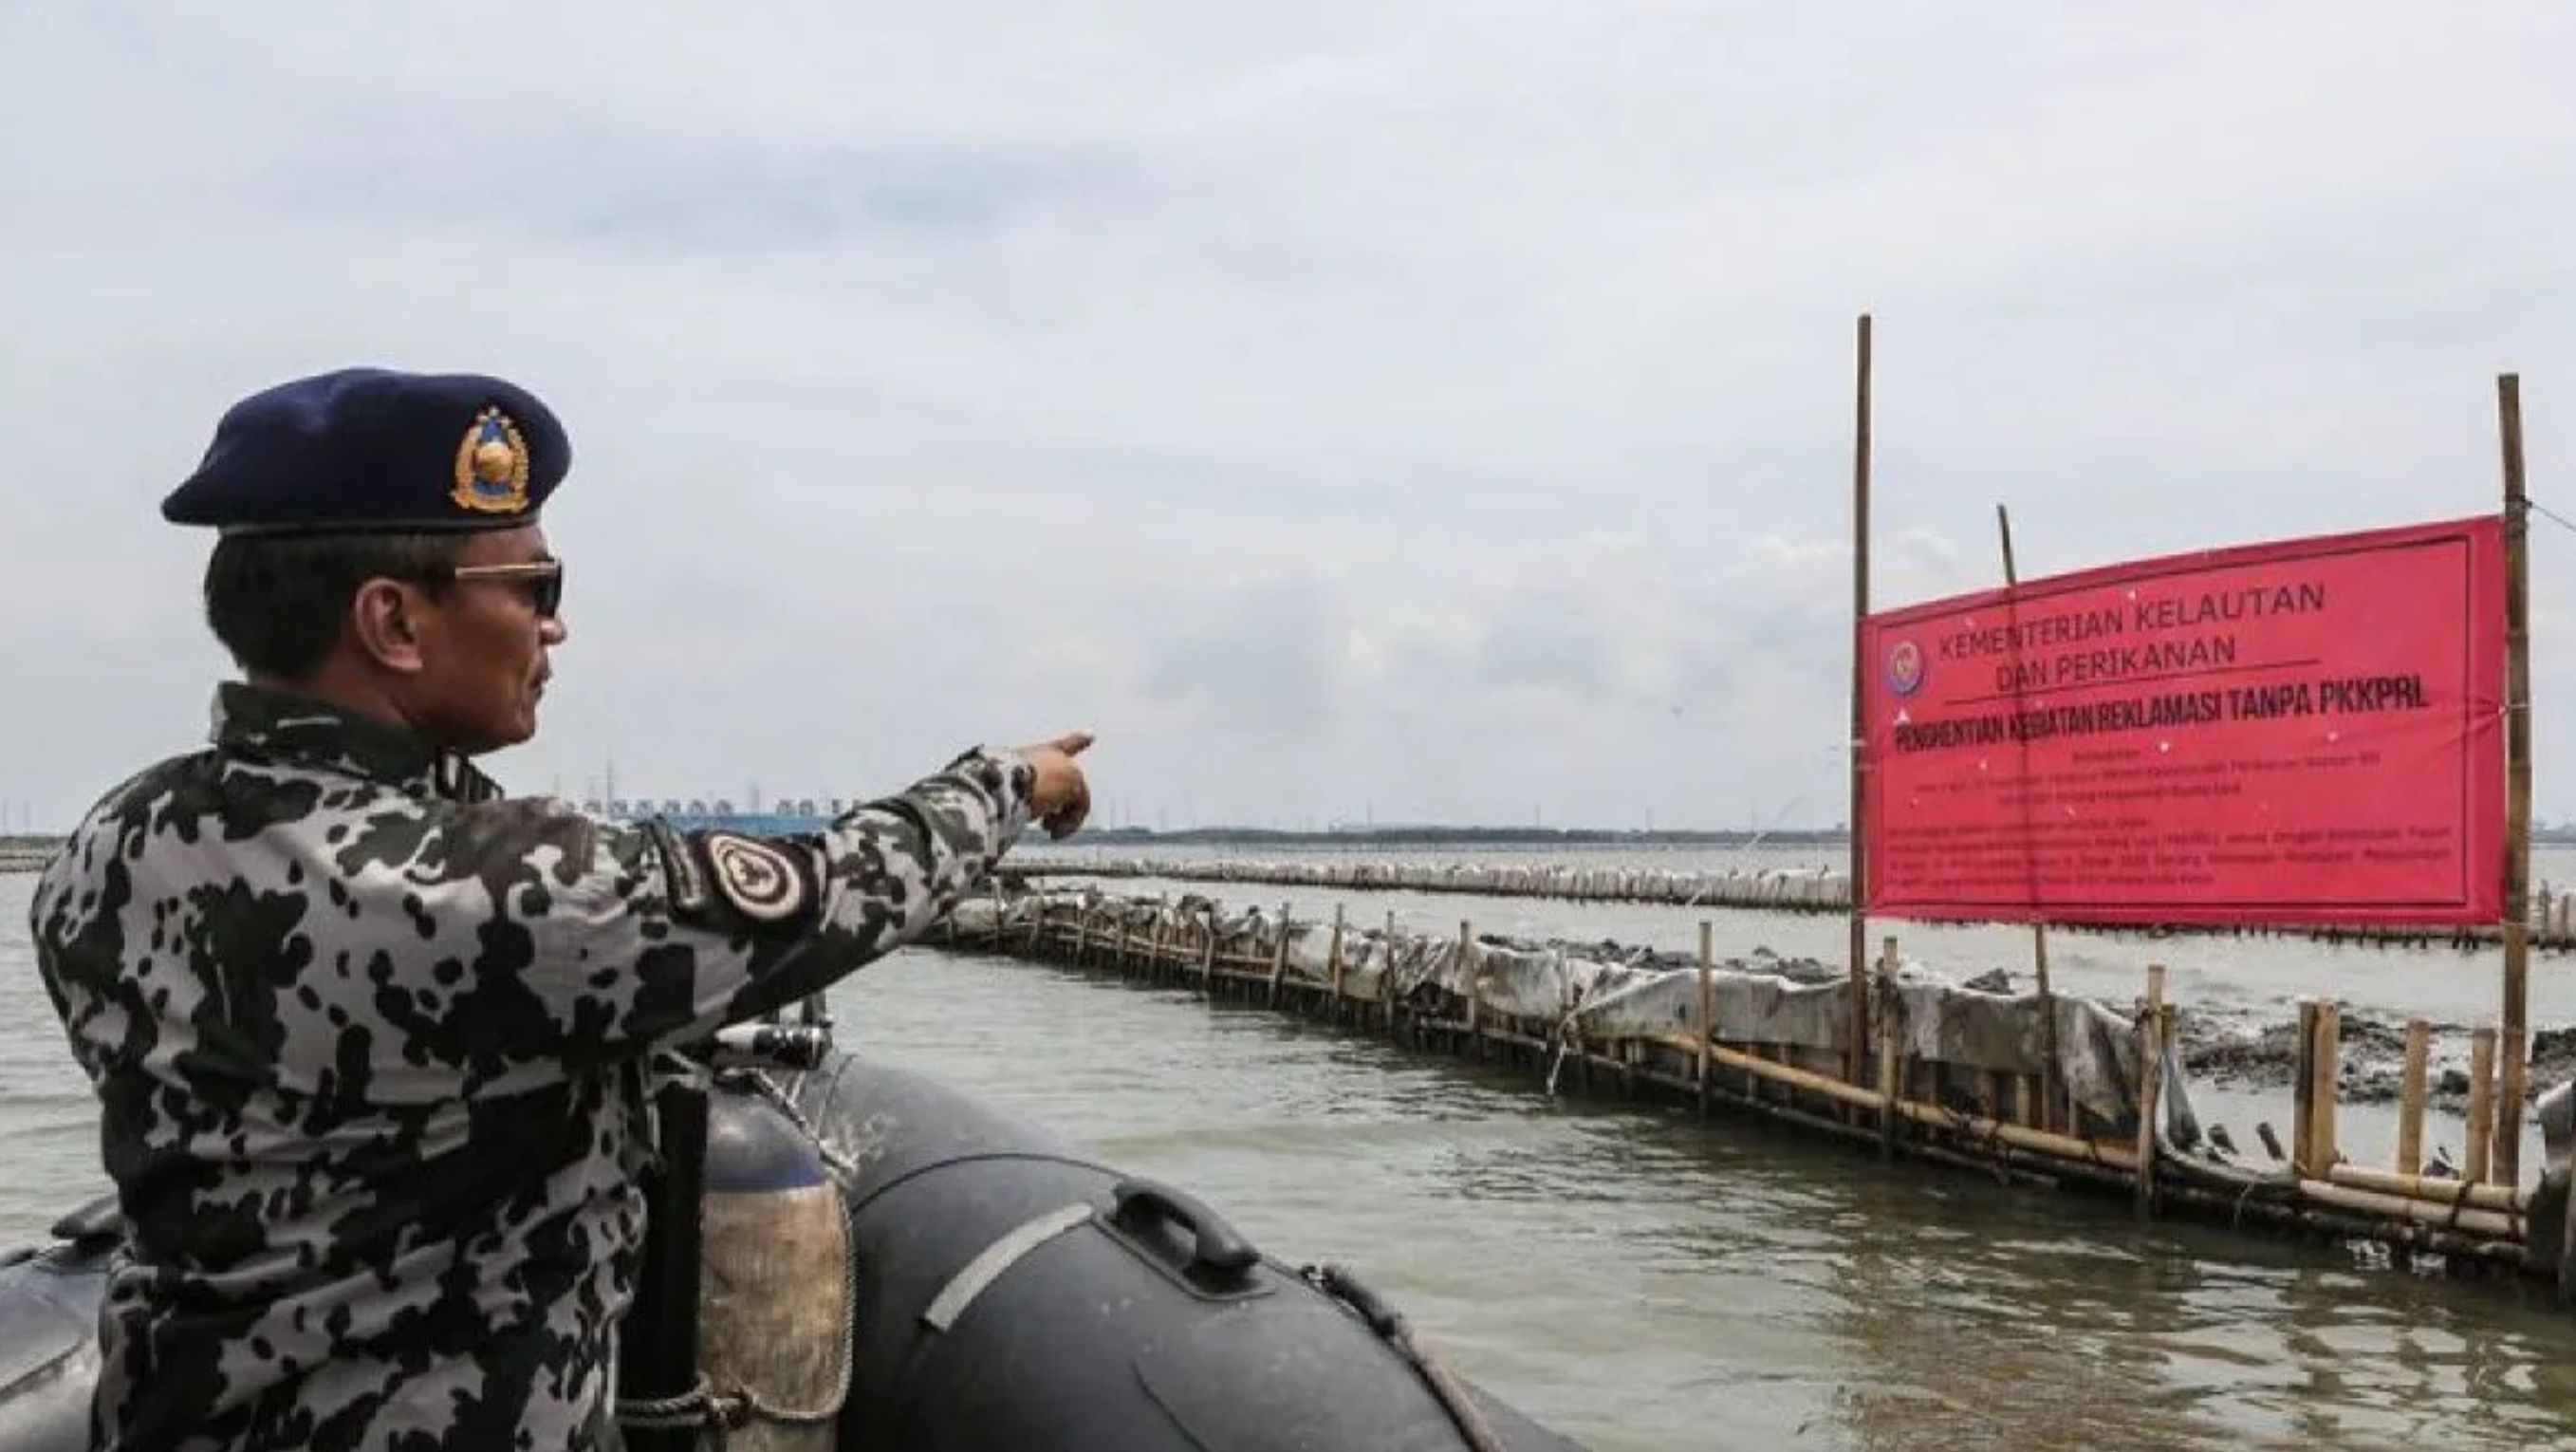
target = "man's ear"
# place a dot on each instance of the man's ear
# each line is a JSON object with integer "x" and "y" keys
{"x": 385, "y": 620}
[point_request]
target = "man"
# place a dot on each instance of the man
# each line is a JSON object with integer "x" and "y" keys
{"x": 368, "y": 1037}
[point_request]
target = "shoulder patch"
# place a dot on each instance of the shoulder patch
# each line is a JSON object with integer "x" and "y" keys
{"x": 763, "y": 882}
{"x": 727, "y": 881}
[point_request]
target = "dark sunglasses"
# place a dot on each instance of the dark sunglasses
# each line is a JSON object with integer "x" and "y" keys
{"x": 543, "y": 580}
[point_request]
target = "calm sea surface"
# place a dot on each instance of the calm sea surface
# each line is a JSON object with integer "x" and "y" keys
{"x": 1643, "y": 1281}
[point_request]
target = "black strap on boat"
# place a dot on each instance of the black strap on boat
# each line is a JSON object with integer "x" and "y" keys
{"x": 1389, "y": 1323}
{"x": 661, "y": 1401}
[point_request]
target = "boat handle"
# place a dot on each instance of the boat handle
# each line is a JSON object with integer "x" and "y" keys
{"x": 1220, "y": 1247}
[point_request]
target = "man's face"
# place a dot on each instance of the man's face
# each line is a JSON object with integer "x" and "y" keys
{"x": 483, "y": 648}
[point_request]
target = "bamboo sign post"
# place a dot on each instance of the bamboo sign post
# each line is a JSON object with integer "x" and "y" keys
{"x": 2038, "y": 930}
{"x": 2507, "y": 1152}
{"x": 1859, "y": 1028}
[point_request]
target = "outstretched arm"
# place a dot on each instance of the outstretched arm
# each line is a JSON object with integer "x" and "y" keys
{"x": 651, "y": 935}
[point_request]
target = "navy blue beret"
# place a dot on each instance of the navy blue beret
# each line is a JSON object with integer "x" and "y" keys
{"x": 372, "y": 449}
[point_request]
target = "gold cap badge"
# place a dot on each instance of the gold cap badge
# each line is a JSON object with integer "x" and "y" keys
{"x": 492, "y": 466}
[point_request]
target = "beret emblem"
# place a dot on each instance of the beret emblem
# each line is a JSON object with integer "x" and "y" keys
{"x": 492, "y": 466}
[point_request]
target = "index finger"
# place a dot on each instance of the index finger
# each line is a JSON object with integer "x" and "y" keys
{"x": 1072, "y": 742}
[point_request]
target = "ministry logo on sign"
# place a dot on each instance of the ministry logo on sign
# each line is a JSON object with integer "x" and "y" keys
{"x": 1905, "y": 668}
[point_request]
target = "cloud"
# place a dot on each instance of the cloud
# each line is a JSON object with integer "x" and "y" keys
{"x": 1412, "y": 408}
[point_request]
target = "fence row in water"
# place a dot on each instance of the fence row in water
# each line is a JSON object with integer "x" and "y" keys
{"x": 1798, "y": 890}
{"x": 2038, "y": 1091}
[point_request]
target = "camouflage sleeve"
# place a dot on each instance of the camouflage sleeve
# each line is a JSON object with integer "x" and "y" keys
{"x": 667, "y": 935}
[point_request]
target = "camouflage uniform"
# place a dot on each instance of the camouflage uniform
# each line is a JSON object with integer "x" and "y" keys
{"x": 370, "y": 1041}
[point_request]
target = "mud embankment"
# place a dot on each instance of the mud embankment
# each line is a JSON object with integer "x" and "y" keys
{"x": 2224, "y": 1049}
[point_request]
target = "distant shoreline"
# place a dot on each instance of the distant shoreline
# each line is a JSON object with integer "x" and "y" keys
{"x": 39, "y": 845}
{"x": 1458, "y": 837}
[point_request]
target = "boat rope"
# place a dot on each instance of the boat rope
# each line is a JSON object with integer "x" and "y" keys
{"x": 1567, "y": 1035}
{"x": 1390, "y": 1325}
{"x": 758, "y": 1082}
{"x": 698, "y": 1407}
{"x": 1569, "y": 1024}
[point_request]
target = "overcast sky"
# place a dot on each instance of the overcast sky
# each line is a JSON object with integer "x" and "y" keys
{"x": 1432, "y": 411}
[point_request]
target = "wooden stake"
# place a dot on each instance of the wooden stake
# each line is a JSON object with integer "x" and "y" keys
{"x": 1707, "y": 1006}
{"x": 2303, "y": 1092}
{"x": 2324, "y": 1097}
{"x": 1467, "y": 978}
{"x": 1333, "y": 961}
{"x": 2481, "y": 1104}
{"x": 2410, "y": 1098}
{"x": 1279, "y": 957}
{"x": 2151, "y": 1065}
{"x": 1859, "y": 1030}
{"x": 1386, "y": 977}
{"x": 1891, "y": 1054}
{"x": 2566, "y": 1255}
{"x": 1207, "y": 957}
{"x": 2505, "y": 1165}
{"x": 2517, "y": 849}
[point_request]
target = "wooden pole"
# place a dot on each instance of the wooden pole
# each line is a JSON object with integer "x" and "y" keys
{"x": 1333, "y": 960}
{"x": 2151, "y": 1065}
{"x": 2481, "y": 1104}
{"x": 1279, "y": 957}
{"x": 2103, "y": 1152}
{"x": 2440, "y": 1191}
{"x": 1707, "y": 1005}
{"x": 2517, "y": 819}
{"x": 1207, "y": 957}
{"x": 2048, "y": 1086}
{"x": 2323, "y": 1099}
{"x": 1386, "y": 976}
{"x": 1467, "y": 984}
{"x": 1890, "y": 1056}
{"x": 2410, "y": 1099}
{"x": 2303, "y": 1092}
{"x": 1859, "y": 870}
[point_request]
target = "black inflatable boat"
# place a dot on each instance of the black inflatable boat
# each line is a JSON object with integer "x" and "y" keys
{"x": 1002, "y": 1292}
